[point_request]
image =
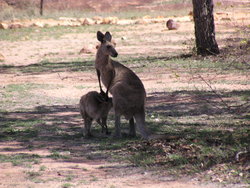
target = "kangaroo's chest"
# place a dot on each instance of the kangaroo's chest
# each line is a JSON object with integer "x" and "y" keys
{"x": 107, "y": 75}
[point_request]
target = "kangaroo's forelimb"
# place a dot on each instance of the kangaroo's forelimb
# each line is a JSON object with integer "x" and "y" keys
{"x": 99, "y": 80}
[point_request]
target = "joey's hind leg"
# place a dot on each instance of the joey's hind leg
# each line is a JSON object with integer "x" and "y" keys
{"x": 87, "y": 123}
{"x": 101, "y": 124}
{"x": 104, "y": 125}
{"x": 132, "y": 131}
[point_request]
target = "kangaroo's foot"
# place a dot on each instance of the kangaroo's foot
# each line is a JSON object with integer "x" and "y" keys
{"x": 117, "y": 127}
{"x": 117, "y": 135}
{"x": 132, "y": 131}
{"x": 108, "y": 132}
{"x": 132, "y": 134}
{"x": 88, "y": 135}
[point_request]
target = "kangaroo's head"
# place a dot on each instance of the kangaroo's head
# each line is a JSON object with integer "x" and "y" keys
{"x": 107, "y": 46}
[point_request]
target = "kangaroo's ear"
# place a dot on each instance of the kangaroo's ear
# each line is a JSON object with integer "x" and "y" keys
{"x": 100, "y": 36}
{"x": 108, "y": 36}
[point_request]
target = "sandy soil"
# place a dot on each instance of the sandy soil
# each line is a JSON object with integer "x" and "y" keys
{"x": 98, "y": 172}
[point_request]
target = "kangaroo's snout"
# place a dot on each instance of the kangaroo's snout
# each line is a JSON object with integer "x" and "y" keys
{"x": 112, "y": 51}
{"x": 115, "y": 54}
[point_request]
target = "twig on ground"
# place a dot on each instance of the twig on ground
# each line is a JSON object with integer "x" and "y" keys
{"x": 215, "y": 92}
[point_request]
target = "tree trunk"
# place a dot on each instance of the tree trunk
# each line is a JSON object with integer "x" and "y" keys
{"x": 204, "y": 27}
{"x": 41, "y": 7}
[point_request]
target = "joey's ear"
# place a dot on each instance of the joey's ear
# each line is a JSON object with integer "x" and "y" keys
{"x": 100, "y": 99}
{"x": 108, "y": 36}
{"x": 100, "y": 36}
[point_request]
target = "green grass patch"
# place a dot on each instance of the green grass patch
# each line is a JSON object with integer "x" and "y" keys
{"x": 42, "y": 168}
{"x": 46, "y": 33}
{"x": 20, "y": 159}
{"x": 15, "y": 129}
{"x": 58, "y": 155}
{"x": 22, "y": 97}
{"x": 26, "y": 34}
{"x": 46, "y": 66}
{"x": 33, "y": 174}
{"x": 142, "y": 159}
{"x": 28, "y": 10}
{"x": 185, "y": 65}
{"x": 82, "y": 87}
{"x": 67, "y": 185}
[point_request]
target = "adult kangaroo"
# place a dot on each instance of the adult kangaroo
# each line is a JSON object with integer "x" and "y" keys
{"x": 125, "y": 86}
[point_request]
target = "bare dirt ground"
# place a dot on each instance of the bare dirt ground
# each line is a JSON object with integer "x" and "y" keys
{"x": 96, "y": 171}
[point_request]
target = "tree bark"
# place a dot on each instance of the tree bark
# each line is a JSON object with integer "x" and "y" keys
{"x": 41, "y": 7}
{"x": 204, "y": 27}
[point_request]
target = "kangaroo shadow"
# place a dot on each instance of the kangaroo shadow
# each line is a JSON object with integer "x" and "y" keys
{"x": 56, "y": 127}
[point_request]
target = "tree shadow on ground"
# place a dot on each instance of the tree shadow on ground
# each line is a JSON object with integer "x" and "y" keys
{"x": 48, "y": 67}
{"x": 46, "y": 127}
{"x": 74, "y": 66}
{"x": 195, "y": 103}
{"x": 71, "y": 66}
{"x": 59, "y": 127}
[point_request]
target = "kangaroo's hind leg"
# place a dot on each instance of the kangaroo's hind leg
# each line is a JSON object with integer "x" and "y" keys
{"x": 132, "y": 131}
{"x": 140, "y": 123}
{"x": 117, "y": 126}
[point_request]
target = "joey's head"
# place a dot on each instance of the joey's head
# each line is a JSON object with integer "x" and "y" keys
{"x": 105, "y": 100}
{"x": 107, "y": 46}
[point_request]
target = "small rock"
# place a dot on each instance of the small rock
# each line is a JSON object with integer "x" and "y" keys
{"x": 38, "y": 24}
{"x": 88, "y": 21}
{"x": 97, "y": 18}
{"x": 66, "y": 153}
{"x": 142, "y": 21}
{"x": 146, "y": 17}
{"x": 51, "y": 22}
{"x": 157, "y": 120}
{"x": 126, "y": 22}
{"x": 81, "y": 20}
{"x": 4, "y": 26}
{"x": 172, "y": 25}
{"x": 87, "y": 50}
{"x": 159, "y": 17}
{"x": 144, "y": 173}
{"x": 68, "y": 19}
{"x": 15, "y": 26}
{"x": 110, "y": 20}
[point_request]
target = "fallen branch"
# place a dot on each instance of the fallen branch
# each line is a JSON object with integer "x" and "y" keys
{"x": 215, "y": 92}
